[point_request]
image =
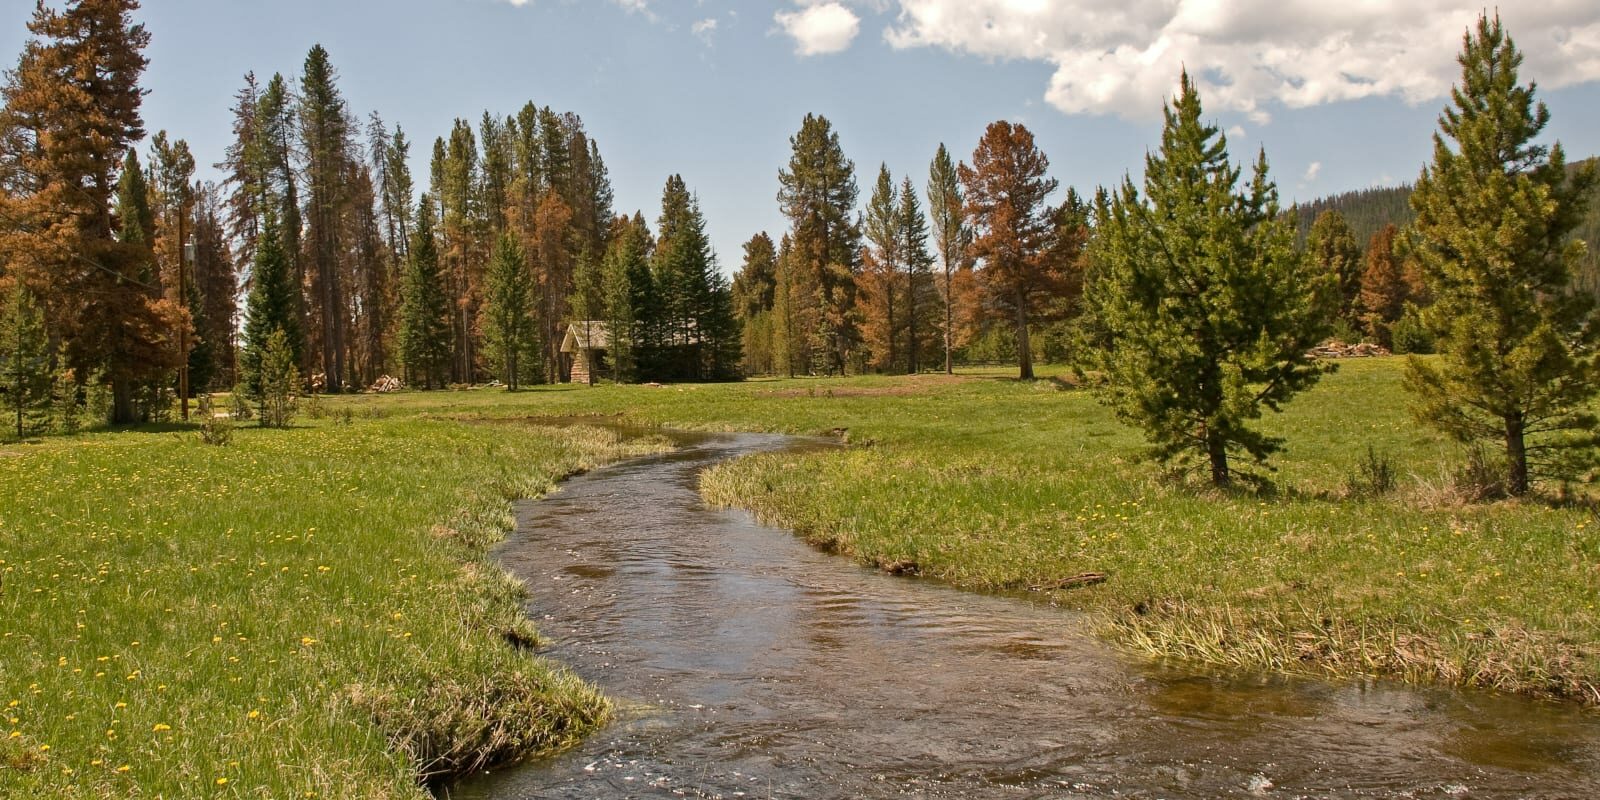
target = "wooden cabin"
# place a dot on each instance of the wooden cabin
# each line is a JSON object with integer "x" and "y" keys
{"x": 587, "y": 345}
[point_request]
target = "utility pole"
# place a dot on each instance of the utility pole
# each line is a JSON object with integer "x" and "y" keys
{"x": 185, "y": 253}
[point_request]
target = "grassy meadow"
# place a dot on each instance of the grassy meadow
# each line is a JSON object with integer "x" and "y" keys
{"x": 990, "y": 483}
{"x": 307, "y": 612}
{"x": 304, "y": 613}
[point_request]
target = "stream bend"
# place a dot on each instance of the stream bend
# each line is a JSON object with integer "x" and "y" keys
{"x": 747, "y": 664}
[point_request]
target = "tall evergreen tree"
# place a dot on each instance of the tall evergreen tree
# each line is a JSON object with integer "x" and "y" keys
{"x": 552, "y": 259}
{"x": 952, "y": 235}
{"x": 66, "y": 127}
{"x": 1200, "y": 311}
{"x": 508, "y": 321}
{"x": 1332, "y": 247}
{"x": 172, "y": 165}
{"x": 1494, "y": 214}
{"x": 754, "y": 295}
{"x": 880, "y": 291}
{"x": 912, "y": 231}
{"x": 818, "y": 194}
{"x": 424, "y": 307}
{"x": 217, "y": 282}
{"x": 325, "y": 138}
{"x": 700, "y": 328}
{"x": 630, "y": 295}
{"x": 271, "y": 307}
{"x": 244, "y": 166}
{"x": 276, "y": 126}
{"x": 397, "y": 200}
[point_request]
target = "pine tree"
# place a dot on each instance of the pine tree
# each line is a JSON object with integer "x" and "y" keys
{"x": 912, "y": 231}
{"x": 1006, "y": 188}
{"x": 325, "y": 138}
{"x": 65, "y": 128}
{"x": 1200, "y": 311}
{"x": 700, "y": 329}
{"x": 1332, "y": 247}
{"x": 25, "y": 372}
{"x": 245, "y": 168}
{"x": 172, "y": 164}
{"x": 397, "y": 202}
{"x": 953, "y": 237}
{"x": 629, "y": 299}
{"x": 217, "y": 283}
{"x": 276, "y": 126}
{"x": 754, "y": 295}
{"x": 818, "y": 194}
{"x": 881, "y": 292}
{"x": 170, "y": 322}
{"x": 461, "y": 235}
{"x": 1384, "y": 290}
{"x": 424, "y": 307}
{"x": 272, "y": 307}
{"x": 279, "y": 380}
{"x": 508, "y": 311}
{"x": 552, "y": 259}
{"x": 1494, "y": 214}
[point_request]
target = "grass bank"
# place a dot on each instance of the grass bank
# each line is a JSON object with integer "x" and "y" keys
{"x": 304, "y": 613}
{"x": 989, "y": 483}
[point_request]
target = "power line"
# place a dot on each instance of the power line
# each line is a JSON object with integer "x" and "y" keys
{"x": 4, "y": 217}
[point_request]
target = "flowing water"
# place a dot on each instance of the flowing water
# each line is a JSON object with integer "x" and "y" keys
{"x": 749, "y": 665}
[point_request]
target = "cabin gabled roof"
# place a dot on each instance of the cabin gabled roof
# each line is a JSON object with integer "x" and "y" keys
{"x": 586, "y": 335}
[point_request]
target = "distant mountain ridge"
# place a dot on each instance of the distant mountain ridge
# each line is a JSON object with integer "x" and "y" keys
{"x": 1368, "y": 210}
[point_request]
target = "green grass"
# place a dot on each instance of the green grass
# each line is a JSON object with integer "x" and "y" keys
{"x": 308, "y": 611}
{"x": 304, "y": 613}
{"x": 993, "y": 484}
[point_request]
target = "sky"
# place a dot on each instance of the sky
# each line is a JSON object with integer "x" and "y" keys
{"x": 1340, "y": 95}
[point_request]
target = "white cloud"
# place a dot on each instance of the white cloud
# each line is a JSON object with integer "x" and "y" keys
{"x": 1313, "y": 171}
{"x": 820, "y": 27}
{"x": 1248, "y": 55}
{"x": 706, "y": 29}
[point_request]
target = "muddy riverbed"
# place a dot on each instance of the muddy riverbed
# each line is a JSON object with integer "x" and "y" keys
{"x": 747, "y": 664}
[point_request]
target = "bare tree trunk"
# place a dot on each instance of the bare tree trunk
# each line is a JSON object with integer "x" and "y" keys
{"x": 911, "y": 325}
{"x": 1516, "y": 455}
{"x": 949, "y": 324}
{"x": 1024, "y": 347}
{"x": 1217, "y": 451}
{"x": 121, "y": 401}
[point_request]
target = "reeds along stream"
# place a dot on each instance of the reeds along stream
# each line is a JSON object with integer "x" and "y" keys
{"x": 749, "y": 665}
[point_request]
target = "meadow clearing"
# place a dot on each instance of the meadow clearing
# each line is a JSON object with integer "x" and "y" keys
{"x": 308, "y": 610}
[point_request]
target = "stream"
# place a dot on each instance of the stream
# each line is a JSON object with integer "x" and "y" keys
{"x": 746, "y": 664}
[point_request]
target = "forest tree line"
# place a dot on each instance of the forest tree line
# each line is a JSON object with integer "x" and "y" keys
{"x": 142, "y": 279}
{"x": 1190, "y": 303}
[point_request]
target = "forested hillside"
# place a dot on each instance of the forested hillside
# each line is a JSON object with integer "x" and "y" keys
{"x": 1366, "y": 211}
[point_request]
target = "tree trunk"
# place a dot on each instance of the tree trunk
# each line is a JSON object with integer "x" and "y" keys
{"x": 911, "y": 326}
{"x": 1217, "y": 451}
{"x": 1024, "y": 347}
{"x": 949, "y": 323}
{"x": 121, "y": 401}
{"x": 1516, "y": 456}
